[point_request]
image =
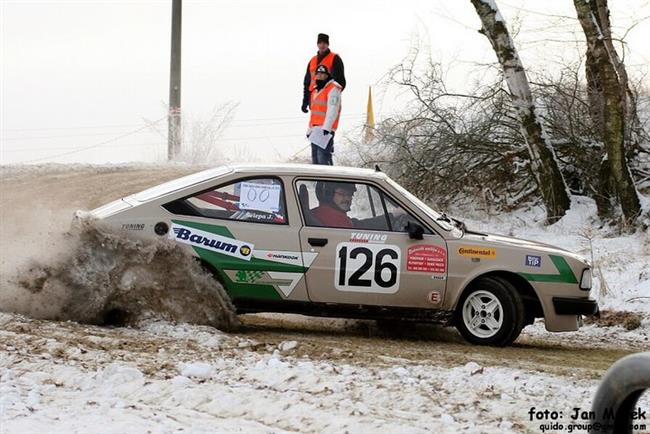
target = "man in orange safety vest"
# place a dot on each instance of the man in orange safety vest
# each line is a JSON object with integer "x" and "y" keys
{"x": 325, "y": 57}
{"x": 325, "y": 103}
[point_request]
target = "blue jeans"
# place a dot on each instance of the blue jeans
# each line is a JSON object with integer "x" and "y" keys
{"x": 323, "y": 156}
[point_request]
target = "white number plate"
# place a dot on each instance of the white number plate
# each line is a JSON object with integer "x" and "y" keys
{"x": 367, "y": 268}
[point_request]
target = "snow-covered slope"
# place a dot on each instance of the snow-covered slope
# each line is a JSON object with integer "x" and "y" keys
{"x": 621, "y": 261}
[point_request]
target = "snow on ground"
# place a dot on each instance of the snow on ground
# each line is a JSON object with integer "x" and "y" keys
{"x": 303, "y": 374}
{"x": 196, "y": 379}
{"x": 621, "y": 262}
{"x": 594, "y": 335}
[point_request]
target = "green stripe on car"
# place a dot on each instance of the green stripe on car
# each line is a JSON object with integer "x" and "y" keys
{"x": 222, "y": 263}
{"x": 565, "y": 273}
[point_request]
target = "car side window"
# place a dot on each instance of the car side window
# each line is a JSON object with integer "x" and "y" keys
{"x": 259, "y": 200}
{"x": 339, "y": 204}
{"x": 399, "y": 218}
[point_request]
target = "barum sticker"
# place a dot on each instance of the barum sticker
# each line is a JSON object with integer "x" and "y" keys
{"x": 209, "y": 241}
{"x": 427, "y": 258}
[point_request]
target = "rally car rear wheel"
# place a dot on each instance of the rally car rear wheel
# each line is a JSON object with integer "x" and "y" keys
{"x": 490, "y": 312}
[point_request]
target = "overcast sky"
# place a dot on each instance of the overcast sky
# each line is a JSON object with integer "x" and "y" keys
{"x": 78, "y": 75}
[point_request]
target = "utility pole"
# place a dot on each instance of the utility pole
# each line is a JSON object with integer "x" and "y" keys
{"x": 174, "y": 117}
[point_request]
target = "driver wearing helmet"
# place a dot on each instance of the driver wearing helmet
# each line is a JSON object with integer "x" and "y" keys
{"x": 335, "y": 200}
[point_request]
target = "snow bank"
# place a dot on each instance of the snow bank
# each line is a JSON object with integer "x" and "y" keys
{"x": 297, "y": 396}
{"x": 165, "y": 378}
{"x": 621, "y": 273}
{"x": 262, "y": 393}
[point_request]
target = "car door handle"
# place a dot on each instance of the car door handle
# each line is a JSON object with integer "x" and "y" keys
{"x": 319, "y": 242}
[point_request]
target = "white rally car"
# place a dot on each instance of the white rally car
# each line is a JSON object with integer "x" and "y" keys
{"x": 350, "y": 242}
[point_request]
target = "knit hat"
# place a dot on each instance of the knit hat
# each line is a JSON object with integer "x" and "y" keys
{"x": 322, "y": 37}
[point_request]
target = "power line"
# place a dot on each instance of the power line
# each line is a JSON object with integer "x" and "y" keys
{"x": 76, "y": 147}
{"x": 97, "y": 144}
{"x": 59, "y": 137}
{"x": 296, "y": 121}
{"x": 530, "y": 11}
{"x": 261, "y": 137}
{"x": 72, "y": 128}
{"x": 298, "y": 117}
{"x": 352, "y": 117}
{"x": 271, "y": 121}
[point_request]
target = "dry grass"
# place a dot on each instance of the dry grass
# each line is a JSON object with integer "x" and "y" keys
{"x": 609, "y": 318}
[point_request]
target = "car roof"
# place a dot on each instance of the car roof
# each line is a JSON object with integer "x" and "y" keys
{"x": 308, "y": 169}
{"x": 253, "y": 169}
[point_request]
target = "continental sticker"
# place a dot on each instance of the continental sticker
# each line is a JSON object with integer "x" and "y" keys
{"x": 209, "y": 241}
{"x": 427, "y": 258}
{"x": 477, "y": 252}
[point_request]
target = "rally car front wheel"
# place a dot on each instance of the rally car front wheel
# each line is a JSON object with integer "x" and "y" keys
{"x": 490, "y": 312}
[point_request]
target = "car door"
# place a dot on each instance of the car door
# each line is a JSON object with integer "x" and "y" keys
{"x": 367, "y": 258}
{"x": 242, "y": 229}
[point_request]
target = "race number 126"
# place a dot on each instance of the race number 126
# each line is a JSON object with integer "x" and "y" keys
{"x": 367, "y": 268}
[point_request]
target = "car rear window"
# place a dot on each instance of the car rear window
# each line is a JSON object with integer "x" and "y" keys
{"x": 256, "y": 200}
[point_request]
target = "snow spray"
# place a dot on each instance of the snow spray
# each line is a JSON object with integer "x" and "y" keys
{"x": 103, "y": 277}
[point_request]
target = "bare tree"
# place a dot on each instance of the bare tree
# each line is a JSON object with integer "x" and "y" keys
{"x": 542, "y": 157}
{"x": 609, "y": 92}
{"x": 200, "y": 135}
{"x": 452, "y": 149}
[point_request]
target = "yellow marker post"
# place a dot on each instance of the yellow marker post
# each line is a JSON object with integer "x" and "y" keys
{"x": 370, "y": 119}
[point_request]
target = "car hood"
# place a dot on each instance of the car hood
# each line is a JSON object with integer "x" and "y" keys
{"x": 529, "y": 245}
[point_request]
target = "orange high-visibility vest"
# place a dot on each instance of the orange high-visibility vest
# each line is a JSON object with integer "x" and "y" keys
{"x": 328, "y": 61}
{"x": 318, "y": 105}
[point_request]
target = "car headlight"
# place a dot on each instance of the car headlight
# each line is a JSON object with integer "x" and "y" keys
{"x": 585, "y": 280}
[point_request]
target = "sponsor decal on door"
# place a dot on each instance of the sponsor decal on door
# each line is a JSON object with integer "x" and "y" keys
{"x": 427, "y": 258}
{"x": 209, "y": 241}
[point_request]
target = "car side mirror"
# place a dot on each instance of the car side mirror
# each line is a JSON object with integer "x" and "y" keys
{"x": 414, "y": 230}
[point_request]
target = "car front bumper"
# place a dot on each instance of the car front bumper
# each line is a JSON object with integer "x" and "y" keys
{"x": 575, "y": 306}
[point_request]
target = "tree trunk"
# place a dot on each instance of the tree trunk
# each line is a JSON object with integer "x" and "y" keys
{"x": 542, "y": 157}
{"x": 603, "y": 194}
{"x": 606, "y": 65}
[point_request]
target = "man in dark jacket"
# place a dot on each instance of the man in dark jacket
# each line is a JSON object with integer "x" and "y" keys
{"x": 325, "y": 57}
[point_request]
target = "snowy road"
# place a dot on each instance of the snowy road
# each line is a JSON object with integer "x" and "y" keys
{"x": 281, "y": 372}
{"x": 288, "y": 374}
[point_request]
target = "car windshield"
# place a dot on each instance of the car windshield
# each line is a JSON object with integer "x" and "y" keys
{"x": 177, "y": 184}
{"x": 441, "y": 219}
